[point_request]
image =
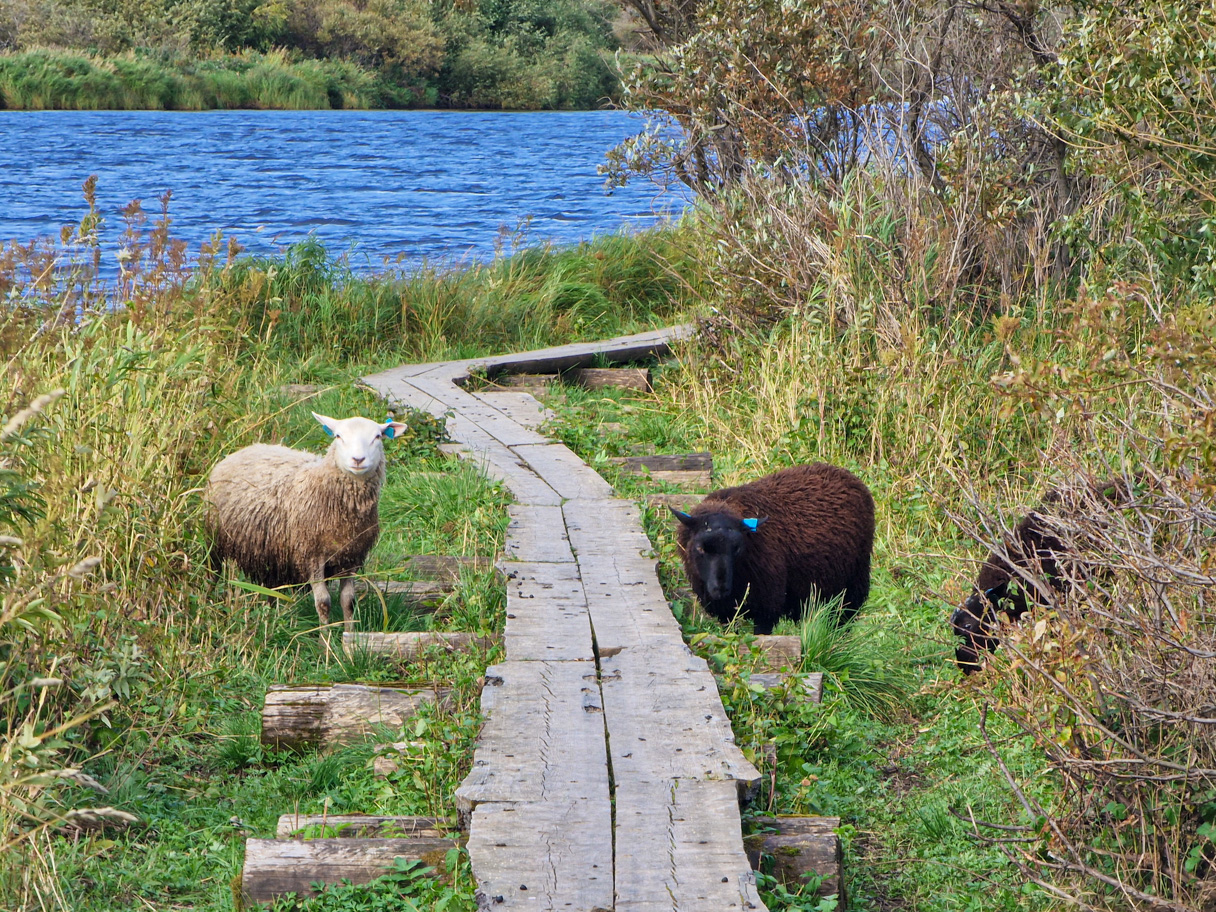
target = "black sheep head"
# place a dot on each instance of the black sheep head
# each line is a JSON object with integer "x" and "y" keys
{"x": 717, "y": 541}
{"x": 974, "y": 621}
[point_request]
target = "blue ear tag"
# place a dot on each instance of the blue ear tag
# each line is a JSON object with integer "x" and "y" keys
{"x": 388, "y": 431}
{"x": 751, "y": 524}
{"x": 328, "y": 432}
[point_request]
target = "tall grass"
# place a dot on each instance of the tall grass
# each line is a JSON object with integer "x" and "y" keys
{"x": 67, "y": 80}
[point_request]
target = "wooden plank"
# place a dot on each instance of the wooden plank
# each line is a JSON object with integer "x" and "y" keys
{"x": 311, "y": 716}
{"x": 634, "y": 378}
{"x": 522, "y": 381}
{"x": 543, "y": 855}
{"x": 665, "y": 719}
{"x": 563, "y": 471}
{"x": 424, "y": 594}
{"x": 485, "y": 416}
{"x": 519, "y": 407}
{"x": 444, "y": 568}
{"x": 547, "y": 617}
{"x": 780, "y": 651}
{"x": 679, "y": 846}
{"x": 638, "y": 347}
{"x": 799, "y": 846}
{"x": 295, "y": 826}
{"x": 274, "y": 867}
{"x": 527, "y": 487}
{"x": 543, "y": 736}
{"x": 536, "y": 800}
{"x": 537, "y": 533}
{"x": 688, "y": 462}
{"x": 413, "y": 645}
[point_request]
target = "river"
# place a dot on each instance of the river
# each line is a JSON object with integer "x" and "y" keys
{"x": 380, "y": 187}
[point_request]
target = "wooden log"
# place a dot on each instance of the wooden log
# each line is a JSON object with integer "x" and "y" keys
{"x": 804, "y": 687}
{"x": 274, "y": 867}
{"x": 329, "y": 826}
{"x": 622, "y": 350}
{"x": 412, "y": 645}
{"x": 781, "y": 651}
{"x": 681, "y": 502}
{"x": 517, "y": 382}
{"x": 424, "y": 593}
{"x": 309, "y": 716}
{"x": 689, "y": 469}
{"x": 442, "y": 568}
{"x": 634, "y": 378}
{"x": 800, "y": 846}
{"x": 688, "y": 462}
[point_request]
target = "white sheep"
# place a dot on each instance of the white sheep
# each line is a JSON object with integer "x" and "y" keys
{"x": 290, "y": 517}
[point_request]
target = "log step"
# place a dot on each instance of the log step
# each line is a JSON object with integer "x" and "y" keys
{"x": 412, "y": 645}
{"x": 805, "y": 686}
{"x": 424, "y": 593}
{"x": 781, "y": 651}
{"x": 799, "y": 846}
{"x": 312, "y": 716}
{"x": 295, "y": 826}
{"x": 520, "y": 382}
{"x": 634, "y": 378}
{"x": 274, "y": 867}
{"x": 444, "y": 568}
{"x": 690, "y": 468}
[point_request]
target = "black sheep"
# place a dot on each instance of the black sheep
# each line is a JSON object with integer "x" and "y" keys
{"x": 1027, "y": 574}
{"x": 804, "y": 530}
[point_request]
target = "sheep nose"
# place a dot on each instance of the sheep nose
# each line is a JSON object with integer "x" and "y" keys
{"x": 358, "y": 460}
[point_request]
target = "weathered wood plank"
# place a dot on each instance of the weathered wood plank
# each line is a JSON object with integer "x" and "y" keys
{"x": 412, "y": 645}
{"x": 363, "y": 826}
{"x": 537, "y": 533}
{"x": 655, "y": 343}
{"x": 522, "y": 381}
{"x": 634, "y": 378}
{"x": 442, "y": 568}
{"x": 781, "y": 651}
{"x": 547, "y": 617}
{"x": 310, "y": 716}
{"x": 665, "y": 719}
{"x": 543, "y": 855}
{"x": 800, "y": 846}
{"x": 274, "y": 867}
{"x": 679, "y": 846}
{"x": 536, "y": 800}
{"x": 543, "y": 736}
{"x": 500, "y": 463}
{"x": 687, "y": 462}
{"x": 485, "y": 416}
{"x": 425, "y": 594}
{"x": 519, "y": 407}
{"x": 563, "y": 471}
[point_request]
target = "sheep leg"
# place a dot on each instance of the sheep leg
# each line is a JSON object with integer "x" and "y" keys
{"x": 346, "y": 595}
{"x": 321, "y": 598}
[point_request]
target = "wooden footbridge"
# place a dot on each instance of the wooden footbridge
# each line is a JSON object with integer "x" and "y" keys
{"x": 606, "y": 776}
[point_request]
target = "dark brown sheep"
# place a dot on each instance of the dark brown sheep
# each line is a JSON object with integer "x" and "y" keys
{"x": 804, "y": 530}
{"x": 1029, "y": 572}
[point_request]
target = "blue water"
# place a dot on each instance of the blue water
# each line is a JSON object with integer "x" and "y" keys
{"x": 381, "y": 187}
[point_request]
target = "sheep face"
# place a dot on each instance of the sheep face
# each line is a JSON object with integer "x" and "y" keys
{"x": 358, "y": 447}
{"x": 973, "y": 622}
{"x": 718, "y": 541}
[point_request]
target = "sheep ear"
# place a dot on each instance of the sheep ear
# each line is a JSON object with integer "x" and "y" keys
{"x": 753, "y": 524}
{"x": 683, "y": 517}
{"x": 392, "y": 428}
{"x": 326, "y": 422}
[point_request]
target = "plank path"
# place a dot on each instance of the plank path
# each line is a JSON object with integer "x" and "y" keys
{"x": 606, "y": 776}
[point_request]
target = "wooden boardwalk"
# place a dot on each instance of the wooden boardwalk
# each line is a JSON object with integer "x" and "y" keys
{"x": 606, "y": 776}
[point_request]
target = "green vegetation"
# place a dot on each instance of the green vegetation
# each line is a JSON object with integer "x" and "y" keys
{"x": 302, "y": 54}
{"x": 1014, "y": 296}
